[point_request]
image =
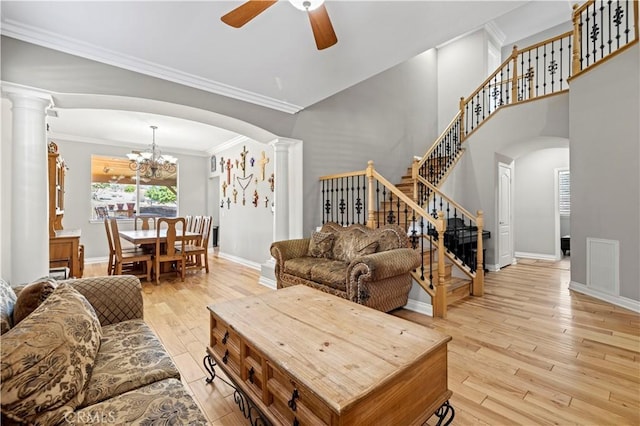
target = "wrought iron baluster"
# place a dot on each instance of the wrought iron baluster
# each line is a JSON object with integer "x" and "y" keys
{"x": 602, "y": 27}
{"x": 324, "y": 199}
{"x": 627, "y": 30}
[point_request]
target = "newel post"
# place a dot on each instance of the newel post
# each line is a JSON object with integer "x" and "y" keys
{"x": 477, "y": 287}
{"x": 462, "y": 131}
{"x": 514, "y": 84}
{"x": 371, "y": 220}
{"x": 440, "y": 304}
{"x": 575, "y": 59}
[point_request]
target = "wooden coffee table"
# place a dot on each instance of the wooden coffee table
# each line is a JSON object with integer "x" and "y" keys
{"x": 299, "y": 356}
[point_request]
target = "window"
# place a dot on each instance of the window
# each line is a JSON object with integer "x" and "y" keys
{"x": 117, "y": 191}
{"x": 564, "y": 186}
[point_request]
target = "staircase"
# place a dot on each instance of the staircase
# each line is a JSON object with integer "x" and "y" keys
{"x": 438, "y": 226}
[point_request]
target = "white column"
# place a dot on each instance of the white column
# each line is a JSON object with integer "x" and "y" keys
{"x": 281, "y": 189}
{"x": 287, "y": 202}
{"x": 29, "y": 187}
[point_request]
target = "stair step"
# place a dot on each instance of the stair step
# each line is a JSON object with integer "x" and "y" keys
{"x": 458, "y": 289}
{"x": 447, "y": 270}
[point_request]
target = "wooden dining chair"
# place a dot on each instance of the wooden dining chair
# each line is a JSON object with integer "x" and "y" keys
{"x": 188, "y": 219}
{"x": 144, "y": 222}
{"x": 130, "y": 261}
{"x": 171, "y": 248}
{"x": 197, "y": 252}
{"x": 111, "y": 265}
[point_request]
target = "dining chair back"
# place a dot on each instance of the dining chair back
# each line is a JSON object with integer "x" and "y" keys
{"x": 134, "y": 262}
{"x": 188, "y": 221}
{"x": 144, "y": 222}
{"x": 111, "y": 266}
{"x": 196, "y": 224}
{"x": 197, "y": 251}
{"x": 171, "y": 247}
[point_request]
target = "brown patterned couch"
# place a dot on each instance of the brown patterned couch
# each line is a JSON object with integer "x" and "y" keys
{"x": 85, "y": 355}
{"x": 367, "y": 266}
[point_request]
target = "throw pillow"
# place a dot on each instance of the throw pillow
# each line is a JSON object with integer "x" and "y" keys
{"x": 31, "y": 297}
{"x": 367, "y": 246}
{"x": 7, "y": 302}
{"x": 47, "y": 359}
{"x": 321, "y": 244}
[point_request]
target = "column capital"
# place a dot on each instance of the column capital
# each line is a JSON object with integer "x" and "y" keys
{"x": 282, "y": 144}
{"x": 17, "y": 92}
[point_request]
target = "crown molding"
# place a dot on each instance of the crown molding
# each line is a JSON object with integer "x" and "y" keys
{"x": 226, "y": 145}
{"x": 495, "y": 32}
{"x": 80, "y": 48}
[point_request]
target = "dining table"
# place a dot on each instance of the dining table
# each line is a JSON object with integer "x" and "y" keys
{"x": 148, "y": 236}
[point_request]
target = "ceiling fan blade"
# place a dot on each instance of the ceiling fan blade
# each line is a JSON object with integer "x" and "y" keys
{"x": 246, "y": 12}
{"x": 322, "y": 28}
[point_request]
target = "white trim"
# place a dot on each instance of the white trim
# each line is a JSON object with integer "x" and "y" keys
{"x": 70, "y": 45}
{"x": 495, "y": 33}
{"x": 239, "y": 260}
{"x": 269, "y": 283}
{"x": 540, "y": 256}
{"x": 494, "y": 267}
{"x": 28, "y": 91}
{"x": 419, "y": 307}
{"x": 226, "y": 145}
{"x": 623, "y": 302}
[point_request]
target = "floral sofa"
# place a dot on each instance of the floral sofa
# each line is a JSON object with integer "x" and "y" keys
{"x": 368, "y": 266}
{"x": 85, "y": 355}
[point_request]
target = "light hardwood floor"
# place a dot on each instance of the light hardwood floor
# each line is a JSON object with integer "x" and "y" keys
{"x": 529, "y": 352}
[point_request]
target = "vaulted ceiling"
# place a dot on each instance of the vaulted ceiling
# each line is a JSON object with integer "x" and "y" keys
{"x": 272, "y": 60}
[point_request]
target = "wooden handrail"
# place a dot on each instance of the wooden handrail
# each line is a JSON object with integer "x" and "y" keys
{"x": 547, "y": 41}
{"x": 488, "y": 79}
{"x": 343, "y": 175}
{"x": 425, "y": 157}
{"x": 456, "y": 205}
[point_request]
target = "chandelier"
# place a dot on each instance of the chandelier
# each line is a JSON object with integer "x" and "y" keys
{"x": 151, "y": 163}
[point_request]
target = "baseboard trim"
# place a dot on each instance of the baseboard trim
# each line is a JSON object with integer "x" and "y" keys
{"x": 623, "y": 302}
{"x": 419, "y": 307}
{"x": 269, "y": 283}
{"x": 493, "y": 268}
{"x": 539, "y": 256}
{"x": 240, "y": 260}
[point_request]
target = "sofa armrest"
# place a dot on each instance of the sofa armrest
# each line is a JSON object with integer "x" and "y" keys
{"x": 115, "y": 298}
{"x": 288, "y": 249}
{"x": 378, "y": 266}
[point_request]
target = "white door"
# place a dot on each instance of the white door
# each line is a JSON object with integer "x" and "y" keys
{"x": 505, "y": 246}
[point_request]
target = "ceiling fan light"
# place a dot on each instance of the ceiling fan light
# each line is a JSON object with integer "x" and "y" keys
{"x": 306, "y": 5}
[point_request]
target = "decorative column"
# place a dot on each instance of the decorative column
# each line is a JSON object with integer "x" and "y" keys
{"x": 29, "y": 186}
{"x": 287, "y": 201}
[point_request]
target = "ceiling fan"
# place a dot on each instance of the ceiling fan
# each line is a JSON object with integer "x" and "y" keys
{"x": 320, "y": 22}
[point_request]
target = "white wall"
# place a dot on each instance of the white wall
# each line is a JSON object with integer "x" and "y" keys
{"x": 605, "y": 169}
{"x": 246, "y": 230}
{"x": 534, "y": 201}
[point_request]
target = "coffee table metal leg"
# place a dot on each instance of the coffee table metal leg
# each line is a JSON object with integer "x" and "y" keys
{"x": 247, "y": 407}
{"x": 445, "y": 414}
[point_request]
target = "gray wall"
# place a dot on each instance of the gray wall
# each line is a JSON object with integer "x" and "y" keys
{"x": 462, "y": 66}
{"x": 512, "y": 132}
{"x": 388, "y": 118}
{"x": 605, "y": 157}
{"x": 535, "y": 200}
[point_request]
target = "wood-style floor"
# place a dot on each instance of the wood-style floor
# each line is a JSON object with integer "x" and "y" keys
{"x": 529, "y": 352}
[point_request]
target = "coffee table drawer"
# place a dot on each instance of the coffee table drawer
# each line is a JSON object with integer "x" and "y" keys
{"x": 253, "y": 368}
{"x": 225, "y": 343}
{"x": 290, "y": 401}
